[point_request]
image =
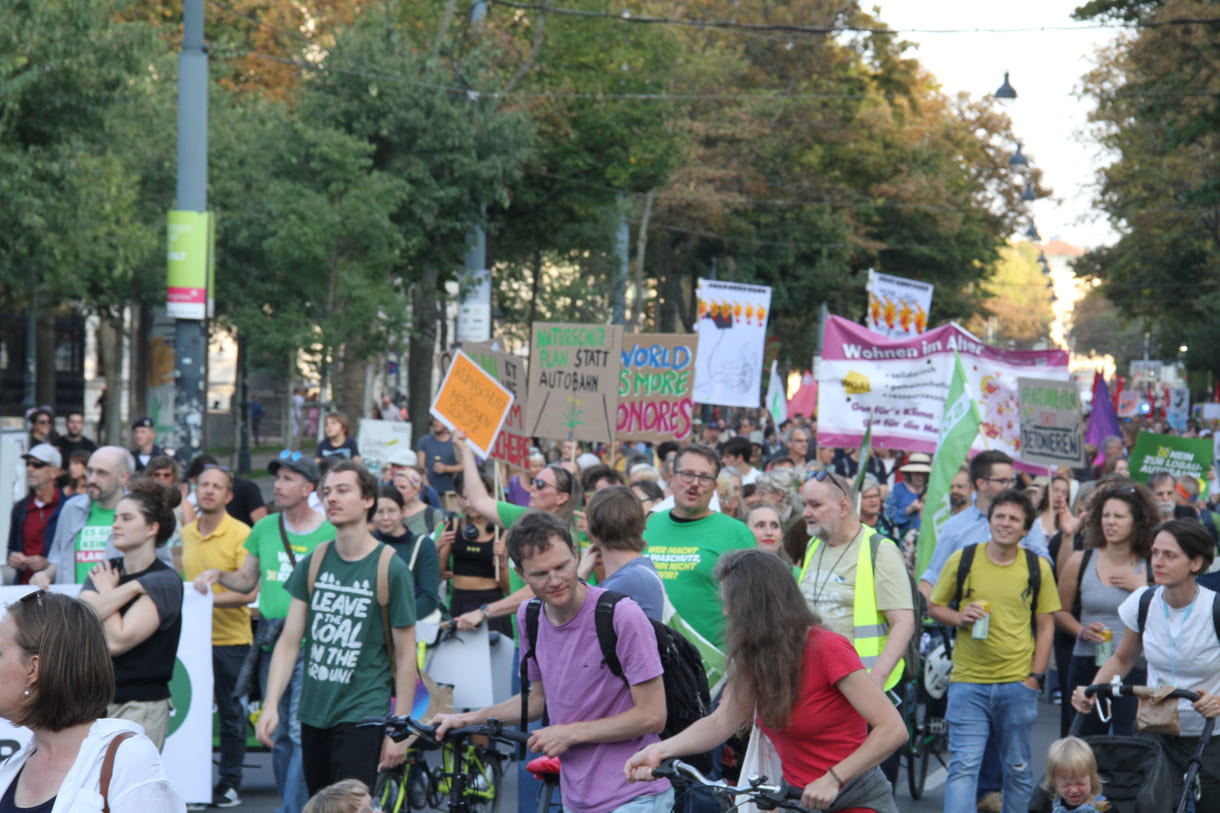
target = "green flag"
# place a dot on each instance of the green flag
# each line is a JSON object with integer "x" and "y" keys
{"x": 865, "y": 451}
{"x": 958, "y": 427}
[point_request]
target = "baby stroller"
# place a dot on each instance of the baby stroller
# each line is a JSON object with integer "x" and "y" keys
{"x": 1136, "y": 775}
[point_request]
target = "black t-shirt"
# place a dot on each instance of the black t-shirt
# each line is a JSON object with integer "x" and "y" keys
{"x": 67, "y": 447}
{"x": 144, "y": 671}
{"x": 247, "y": 498}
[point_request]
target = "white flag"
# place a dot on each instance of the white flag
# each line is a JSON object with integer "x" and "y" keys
{"x": 777, "y": 396}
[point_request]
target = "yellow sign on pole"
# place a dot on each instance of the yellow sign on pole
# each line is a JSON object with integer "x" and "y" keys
{"x": 471, "y": 400}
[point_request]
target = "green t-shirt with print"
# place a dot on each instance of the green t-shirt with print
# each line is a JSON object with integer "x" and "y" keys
{"x": 685, "y": 555}
{"x": 274, "y": 566}
{"x": 347, "y": 666}
{"x": 92, "y": 539}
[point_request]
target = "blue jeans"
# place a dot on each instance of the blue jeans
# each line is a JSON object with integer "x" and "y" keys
{"x": 975, "y": 710}
{"x": 286, "y": 753}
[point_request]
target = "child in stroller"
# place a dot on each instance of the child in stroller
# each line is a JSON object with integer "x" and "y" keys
{"x": 1071, "y": 774}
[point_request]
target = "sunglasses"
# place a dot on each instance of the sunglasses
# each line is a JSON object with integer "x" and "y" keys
{"x": 288, "y": 454}
{"x": 822, "y": 476}
{"x": 38, "y": 464}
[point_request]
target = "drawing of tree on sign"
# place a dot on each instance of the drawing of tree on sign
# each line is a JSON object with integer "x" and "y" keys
{"x": 572, "y": 413}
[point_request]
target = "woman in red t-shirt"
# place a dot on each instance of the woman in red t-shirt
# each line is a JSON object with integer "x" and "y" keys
{"x": 807, "y": 687}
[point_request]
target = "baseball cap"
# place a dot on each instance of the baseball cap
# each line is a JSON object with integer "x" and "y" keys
{"x": 299, "y": 462}
{"x": 145, "y": 423}
{"x": 45, "y": 453}
{"x": 403, "y": 457}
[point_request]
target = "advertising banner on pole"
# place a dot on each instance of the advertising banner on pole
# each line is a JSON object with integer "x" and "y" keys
{"x": 188, "y": 264}
{"x": 898, "y": 307}
{"x": 1052, "y": 431}
{"x": 732, "y": 330}
{"x": 573, "y": 381}
{"x": 902, "y": 384}
{"x": 1178, "y": 456}
{"x": 655, "y": 387}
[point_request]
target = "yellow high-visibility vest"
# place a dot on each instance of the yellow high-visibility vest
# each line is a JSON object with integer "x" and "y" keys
{"x": 870, "y": 630}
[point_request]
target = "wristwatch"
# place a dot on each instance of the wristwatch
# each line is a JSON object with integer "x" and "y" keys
{"x": 1040, "y": 677}
{"x": 483, "y": 609}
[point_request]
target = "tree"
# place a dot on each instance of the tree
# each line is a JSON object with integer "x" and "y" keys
{"x": 1019, "y": 298}
{"x": 1156, "y": 110}
{"x": 1099, "y": 328}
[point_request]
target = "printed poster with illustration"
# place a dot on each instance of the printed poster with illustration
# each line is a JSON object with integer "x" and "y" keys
{"x": 898, "y": 307}
{"x": 573, "y": 381}
{"x": 655, "y": 385}
{"x": 732, "y": 330}
{"x": 902, "y": 384}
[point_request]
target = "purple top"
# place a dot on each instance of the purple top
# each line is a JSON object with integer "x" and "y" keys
{"x": 579, "y": 687}
{"x": 517, "y": 493}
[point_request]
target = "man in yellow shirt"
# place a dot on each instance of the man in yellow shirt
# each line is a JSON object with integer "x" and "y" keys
{"x": 216, "y": 540}
{"x": 999, "y": 661}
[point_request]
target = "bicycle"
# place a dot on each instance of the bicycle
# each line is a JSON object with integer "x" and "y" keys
{"x": 764, "y": 793}
{"x": 470, "y": 775}
{"x": 924, "y": 728}
{"x": 410, "y": 786}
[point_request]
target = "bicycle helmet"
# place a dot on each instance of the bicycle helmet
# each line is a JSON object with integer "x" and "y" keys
{"x": 937, "y": 668}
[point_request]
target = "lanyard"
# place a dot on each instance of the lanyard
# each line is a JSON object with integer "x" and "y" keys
{"x": 1173, "y": 639}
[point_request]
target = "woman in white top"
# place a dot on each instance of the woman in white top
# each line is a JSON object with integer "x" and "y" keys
{"x": 56, "y": 679}
{"x": 1179, "y": 641}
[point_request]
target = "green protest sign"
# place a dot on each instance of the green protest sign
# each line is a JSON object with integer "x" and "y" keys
{"x": 1178, "y": 456}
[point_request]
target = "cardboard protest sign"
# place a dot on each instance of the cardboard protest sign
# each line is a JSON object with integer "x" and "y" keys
{"x": 901, "y": 385}
{"x": 732, "y": 330}
{"x": 1178, "y": 456}
{"x": 1052, "y": 432}
{"x": 471, "y": 400}
{"x": 512, "y": 444}
{"x": 573, "y": 381}
{"x": 655, "y": 386}
{"x": 379, "y": 440}
{"x": 898, "y": 307}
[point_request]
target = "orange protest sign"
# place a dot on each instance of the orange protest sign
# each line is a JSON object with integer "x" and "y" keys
{"x": 471, "y": 400}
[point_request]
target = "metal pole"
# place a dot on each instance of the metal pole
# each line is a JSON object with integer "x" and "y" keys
{"x": 190, "y": 347}
{"x": 618, "y": 291}
{"x": 31, "y": 339}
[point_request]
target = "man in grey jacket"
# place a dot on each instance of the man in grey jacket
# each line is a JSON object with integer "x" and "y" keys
{"x": 82, "y": 538}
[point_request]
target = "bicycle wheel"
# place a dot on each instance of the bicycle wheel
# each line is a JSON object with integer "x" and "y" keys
{"x": 486, "y": 775}
{"x": 419, "y": 785}
{"x": 389, "y": 790}
{"x": 435, "y": 797}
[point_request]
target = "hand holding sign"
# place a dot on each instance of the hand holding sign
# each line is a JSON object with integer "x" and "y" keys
{"x": 471, "y": 400}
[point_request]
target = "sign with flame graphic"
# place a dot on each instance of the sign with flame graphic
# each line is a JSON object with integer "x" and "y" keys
{"x": 898, "y": 307}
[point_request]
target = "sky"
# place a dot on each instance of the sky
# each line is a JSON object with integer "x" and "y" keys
{"x": 1045, "y": 67}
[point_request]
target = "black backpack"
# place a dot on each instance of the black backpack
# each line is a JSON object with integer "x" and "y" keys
{"x": 687, "y": 697}
{"x": 1031, "y": 562}
{"x": 1146, "y": 602}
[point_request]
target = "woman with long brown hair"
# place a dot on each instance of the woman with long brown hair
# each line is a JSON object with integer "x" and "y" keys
{"x": 805, "y": 685}
{"x": 1113, "y": 564}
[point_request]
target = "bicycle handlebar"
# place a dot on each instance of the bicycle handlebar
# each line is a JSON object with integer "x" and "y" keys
{"x": 767, "y": 795}
{"x": 399, "y": 728}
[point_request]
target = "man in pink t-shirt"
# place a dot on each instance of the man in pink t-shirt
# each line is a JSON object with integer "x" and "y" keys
{"x": 597, "y": 720}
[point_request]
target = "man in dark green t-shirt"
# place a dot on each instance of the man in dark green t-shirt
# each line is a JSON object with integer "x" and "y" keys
{"x": 347, "y": 663}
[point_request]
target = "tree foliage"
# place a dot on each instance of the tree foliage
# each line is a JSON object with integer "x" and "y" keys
{"x": 1019, "y": 297}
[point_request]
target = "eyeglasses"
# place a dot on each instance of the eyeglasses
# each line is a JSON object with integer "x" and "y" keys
{"x": 386, "y": 512}
{"x": 1004, "y": 481}
{"x": 687, "y": 476}
{"x": 801, "y": 441}
{"x": 822, "y": 476}
{"x": 288, "y": 454}
{"x": 225, "y": 469}
{"x": 538, "y": 483}
{"x": 43, "y": 421}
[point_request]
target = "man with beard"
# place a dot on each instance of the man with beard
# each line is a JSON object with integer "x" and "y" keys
{"x": 74, "y": 441}
{"x": 959, "y": 490}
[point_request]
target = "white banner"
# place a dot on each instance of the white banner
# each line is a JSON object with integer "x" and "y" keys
{"x": 902, "y": 384}
{"x": 187, "y": 756}
{"x": 732, "y": 330}
{"x": 377, "y": 440}
{"x": 898, "y": 307}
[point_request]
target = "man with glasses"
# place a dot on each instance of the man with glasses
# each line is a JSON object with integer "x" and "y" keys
{"x": 864, "y": 598}
{"x": 217, "y": 541}
{"x": 798, "y": 447}
{"x": 686, "y": 541}
{"x": 275, "y": 544}
{"x": 32, "y": 526}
